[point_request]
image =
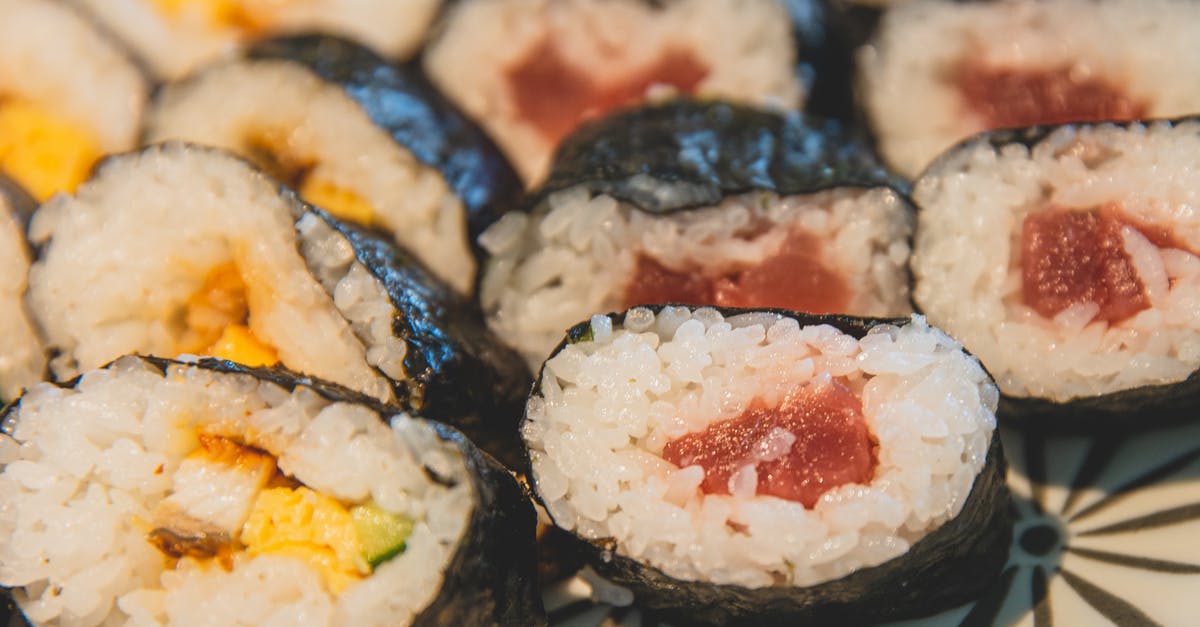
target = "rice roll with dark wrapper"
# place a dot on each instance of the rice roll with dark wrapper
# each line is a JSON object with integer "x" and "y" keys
{"x": 751, "y": 467}
{"x": 332, "y": 509}
{"x": 22, "y": 360}
{"x": 699, "y": 203}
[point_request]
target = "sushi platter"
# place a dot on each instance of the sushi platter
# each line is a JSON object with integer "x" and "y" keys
{"x": 599, "y": 313}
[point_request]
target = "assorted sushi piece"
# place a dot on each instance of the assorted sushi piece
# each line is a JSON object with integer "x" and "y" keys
{"x": 699, "y": 203}
{"x": 22, "y": 358}
{"x": 68, "y": 95}
{"x": 173, "y": 37}
{"x": 1068, "y": 260}
{"x": 940, "y": 71}
{"x": 749, "y": 467}
{"x": 371, "y": 143}
{"x": 153, "y": 492}
{"x": 530, "y": 71}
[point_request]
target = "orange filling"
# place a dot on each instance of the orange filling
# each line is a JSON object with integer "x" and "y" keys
{"x": 1008, "y": 98}
{"x": 217, "y": 321}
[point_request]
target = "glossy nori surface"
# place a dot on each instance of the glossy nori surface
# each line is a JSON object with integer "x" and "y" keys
{"x": 458, "y": 371}
{"x": 491, "y": 579}
{"x": 687, "y": 154}
{"x": 950, "y": 566}
{"x": 402, "y": 101}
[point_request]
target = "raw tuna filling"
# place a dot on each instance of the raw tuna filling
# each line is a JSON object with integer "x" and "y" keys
{"x": 1076, "y": 257}
{"x": 555, "y": 97}
{"x": 792, "y": 278}
{"x": 813, "y": 442}
{"x": 1007, "y": 98}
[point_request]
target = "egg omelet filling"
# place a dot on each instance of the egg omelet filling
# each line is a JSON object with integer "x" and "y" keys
{"x": 248, "y": 16}
{"x": 274, "y": 152}
{"x": 216, "y": 321}
{"x": 43, "y": 152}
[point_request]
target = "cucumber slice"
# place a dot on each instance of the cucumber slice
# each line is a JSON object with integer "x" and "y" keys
{"x": 382, "y": 533}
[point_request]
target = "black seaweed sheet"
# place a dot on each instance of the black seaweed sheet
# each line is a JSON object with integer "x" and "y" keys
{"x": 491, "y": 579}
{"x": 950, "y": 566}
{"x": 402, "y": 101}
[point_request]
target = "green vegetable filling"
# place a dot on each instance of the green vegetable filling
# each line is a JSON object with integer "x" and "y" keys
{"x": 383, "y": 534}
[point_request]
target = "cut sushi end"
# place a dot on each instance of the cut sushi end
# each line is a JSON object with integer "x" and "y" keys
{"x": 187, "y": 485}
{"x": 22, "y": 360}
{"x": 1018, "y": 64}
{"x": 531, "y": 71}
{"x": 715, "y": 460}
{"x": 1066, "y": 260}
{"x": 840, "y": 251}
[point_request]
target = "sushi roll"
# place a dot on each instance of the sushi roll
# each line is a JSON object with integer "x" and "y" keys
{"x": 369, "y": 142}
{"x": 699, "y": 203}
{"x": 332, "y": 509}
{"x": 1068, "y": 260}
{"x": 174, "y": 37}
{"x": 22, "y": 360}
{"x": 530, "y": 71}
{"x": 68, "y": 95}
{"x": 763, "y": 467}
{"x": 179, "y": 249}
{"x": 940, "y": 71}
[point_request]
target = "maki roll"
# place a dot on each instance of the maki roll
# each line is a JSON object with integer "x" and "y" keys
{"x": 1017, "y": 63}
{"x": 752, "y": 467}
{"x": 371, "y": 143}
{"x": 159, "y": 492}
{"x": 699, "y": 203}
{"x": 1066, "y": 259}
{"x": 530, "y": 71}
{"x": 177, "y": 249}
{"x": 22, "y": 361}
{"x": 67, "y": 96}
{"x": 174, "y": 37}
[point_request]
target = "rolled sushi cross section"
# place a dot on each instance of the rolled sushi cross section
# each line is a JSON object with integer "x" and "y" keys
{"x": 766, "y": 467}
{"x": 1023, "y": 63}
{"x": 368, "y": 142}
{"x": 1067, "y": 260}
{"x": 532, "y": 70}
{"x": 174, "y": 37}
{"x": 22, "y": 360}
{"x": 644, "y": 208}
{"x": 62, "y": 105}
{"x": 161, "y": 492}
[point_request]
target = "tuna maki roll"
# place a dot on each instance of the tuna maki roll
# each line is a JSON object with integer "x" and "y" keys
{"x": 371, "y": 143}
{"x": 940, "y": 71}
{"x": 761, "y": 467}
{"x": 1068, "y": 260}
{"x": 68, "y": 95}
{"x": 332, "y": 510}
{"x": 178, "y": 249}
{"x": 530, "y": 71}
{"x": 699, "y": 203}
{"x": 22, "y": 361}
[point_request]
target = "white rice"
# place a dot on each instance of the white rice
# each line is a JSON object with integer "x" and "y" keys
{"x": 316, "y": 122}
{"x": 123, "y": 256}
{"x": 552, "y": 269}
{"x": 608, "y": 406}
{"x": 746, "y": 44}
{"x": 84, "y": 475}
{"x": 173, "y": 45}
{"x": 966, "y": 259}
{"x": 22, "y": 361}
{"x": 51, "y": 56}
{"x": 1142, "y": 46}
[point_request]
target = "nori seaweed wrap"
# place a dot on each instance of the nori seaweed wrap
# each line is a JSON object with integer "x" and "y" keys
{"x": 335, "y": 509}
{"x": 818, "y": 470}
{"x": 700, "y": 203}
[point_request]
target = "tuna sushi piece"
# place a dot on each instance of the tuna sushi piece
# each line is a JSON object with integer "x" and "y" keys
{"x": 530, "y": 71}
{"x": 68, "y": 94}
{"x": 22, "y": 360}
{"x": 940, "y": 71}
{"x": 762, "y": 467}
{"x": 1066, "y": 259}
{"x": 161, "y": 492}
{"x": 173, "y": 37}
{"x": 699, "y": 203}
{"x": 369, "y": 142}
{"x": 214, "y": 258}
